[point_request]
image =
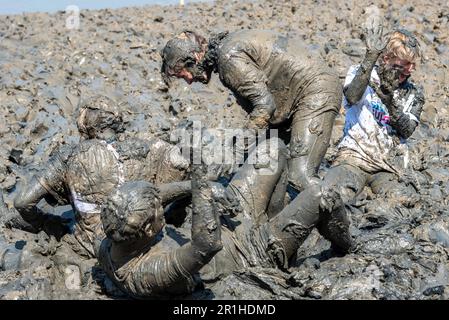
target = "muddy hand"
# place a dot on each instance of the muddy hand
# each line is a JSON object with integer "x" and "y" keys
{"x": 329, "y": 199}
{"x": 389, "y": 79}
{"x": 373, "y": 36}
{"x": 228, "y": 205}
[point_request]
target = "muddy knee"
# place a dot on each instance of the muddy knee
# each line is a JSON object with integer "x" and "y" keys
{"x": 270, "y": 157}
{"x": 310, "y": 140}
{"x": 293, "y": 224}
{"x": 10, "y": 257}
{"x": 300, "y": 174}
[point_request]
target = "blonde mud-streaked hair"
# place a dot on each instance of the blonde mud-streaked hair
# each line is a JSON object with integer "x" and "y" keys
{"x": 403, "y": 44}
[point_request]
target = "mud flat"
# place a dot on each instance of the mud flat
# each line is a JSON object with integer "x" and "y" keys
{"x": 45, "y": 68}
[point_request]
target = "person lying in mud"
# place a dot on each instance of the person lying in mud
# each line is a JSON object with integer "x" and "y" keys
{"x": 383, "y": 108}
{"x": 146, "y": 259}
{"x": 83, "y": 175}
{"x": 273, "y": 77}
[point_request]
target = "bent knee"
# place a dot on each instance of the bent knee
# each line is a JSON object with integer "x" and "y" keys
{"x": 302, "y": 177}
{"x": 19, "y": 203}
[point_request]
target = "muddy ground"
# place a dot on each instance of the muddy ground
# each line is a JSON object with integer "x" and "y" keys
{"x": 45, "y": 68}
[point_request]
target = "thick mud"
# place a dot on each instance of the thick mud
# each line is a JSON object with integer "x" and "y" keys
{"x": 46, "y": 68}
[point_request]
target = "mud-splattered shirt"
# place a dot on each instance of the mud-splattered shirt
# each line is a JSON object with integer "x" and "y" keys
{"x": 369, "y": 140}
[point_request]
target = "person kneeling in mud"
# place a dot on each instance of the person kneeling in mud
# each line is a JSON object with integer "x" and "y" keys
{"x": 84, "y": 174}
{"x": 273, "y": 77}
{"x": 382, "y": 110}
{"x": 146, "y": 259}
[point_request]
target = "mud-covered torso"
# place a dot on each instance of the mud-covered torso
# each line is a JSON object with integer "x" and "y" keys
{"x": 287, "y": 66}
{"x": 95, "y": 168}
{"x": 93, "y": 171}
{"x": 369, "y": 140}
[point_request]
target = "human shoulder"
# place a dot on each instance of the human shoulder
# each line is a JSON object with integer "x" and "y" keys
{"x": 133, "y": 148}
{"x": 64, "y": 151}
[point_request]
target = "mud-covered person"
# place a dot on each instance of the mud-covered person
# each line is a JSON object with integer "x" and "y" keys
{"x": 383, "y": 109}
{"x": 146, "y": 259}
{"x": 275, "y": 78}
{"x": 83, "y": 175}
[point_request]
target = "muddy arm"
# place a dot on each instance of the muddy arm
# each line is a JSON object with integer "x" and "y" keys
{"x": 404, "y": 111}
{"x": 405, "y": 123}
{"x": 48, "y": 184}
{"x": 247, "y": 81}
{"x": 26, "y": 201}
{"x": 206, "y": 232}
{"x": 170, "y": 192}
{"x": 373, "y": 36}
{"x": 354, "y": 91}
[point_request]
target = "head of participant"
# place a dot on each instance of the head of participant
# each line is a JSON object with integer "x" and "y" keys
{"x": 401, "y": 54}
{"x": 183, "y": 57}
{"x": 99, "y": 117}
{"x": 133, "y": 212}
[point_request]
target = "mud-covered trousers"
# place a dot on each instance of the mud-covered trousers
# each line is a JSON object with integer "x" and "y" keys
{"x": 311, "y": 130}
{"x": 340, "y": 186}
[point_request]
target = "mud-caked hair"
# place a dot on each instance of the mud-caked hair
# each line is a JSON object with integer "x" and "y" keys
{"x": 97, "y": 114}
{"x": 132, "y": 211}
{"x": 403, "y": 45}
{"x": 180, "y": 51}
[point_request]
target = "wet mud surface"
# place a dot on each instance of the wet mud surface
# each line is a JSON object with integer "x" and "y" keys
{"x": 45, "y": 68}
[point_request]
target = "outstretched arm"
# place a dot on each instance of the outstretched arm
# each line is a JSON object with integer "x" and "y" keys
{"x": 206, "y": 227}
{"x": 47, "y": 184}
{"x": 356, "y": 87}
{"x": 172, "y": 191}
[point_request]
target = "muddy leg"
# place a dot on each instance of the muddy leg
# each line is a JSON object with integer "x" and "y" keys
{"x": 321, "y": 206}
{"x": 293, "y": 224}
{"x": 278, "y": 200}
{"x": 341, "y": 185}
{"x": 253, "y": 184}
{"x": 308, "y": 145}
{"x": 386, "y": 184}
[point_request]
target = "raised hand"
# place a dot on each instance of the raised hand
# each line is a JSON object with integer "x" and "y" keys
{"x": 373, "y": 32}
{"x": 227, "y": 204}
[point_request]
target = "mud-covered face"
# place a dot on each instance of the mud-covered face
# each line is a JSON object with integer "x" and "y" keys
{"x": 101, "y": 124}
{"x": 100, "y": 117}
{"x": 182, "y": 58}
{"x": 191, "y": 70}
{"x": 403, "y": 68}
